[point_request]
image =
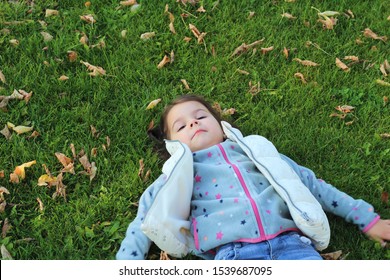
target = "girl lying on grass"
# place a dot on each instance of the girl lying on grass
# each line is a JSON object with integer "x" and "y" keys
{"x": 225, "y": 196}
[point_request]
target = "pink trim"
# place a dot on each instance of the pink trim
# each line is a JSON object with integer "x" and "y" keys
{"x": 242, "y": 182}
{"x": 370, "y": 225}
{"x": 196, "y": 237}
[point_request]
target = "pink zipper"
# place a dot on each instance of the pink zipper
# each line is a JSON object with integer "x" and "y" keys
{"x": 244, "y": 186}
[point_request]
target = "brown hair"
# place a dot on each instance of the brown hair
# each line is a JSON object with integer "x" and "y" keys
{"x": 159, "y": 132}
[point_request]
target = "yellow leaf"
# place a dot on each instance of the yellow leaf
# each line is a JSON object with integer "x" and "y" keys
{"x": 50, "y": 12}
{"x": 63, "y": 78}
{"x": 22, "y": 129}
{"x": 370, "y": 34}
{"x": 382, "y": 83}
{"x": 153, "y": 104}
{"x": 128, "y": 2}
{"x": 47, "y": 37}
{"x": 88, "y": 18}
{"x": 47, "y": 180}
{"x": 300, "y": 76}
{"x": 19, "y": 172}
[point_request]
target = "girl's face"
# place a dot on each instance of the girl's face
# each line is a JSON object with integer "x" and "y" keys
{"x": 192, "y": 124}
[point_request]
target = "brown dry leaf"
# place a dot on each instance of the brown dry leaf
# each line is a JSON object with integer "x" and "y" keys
{"x": 19, "y": 172}
{"x": 147, "y": 35}
{"x": 254, "y": 88}
{"x": 243, "y": 72}
{"x": 328, "y": 22}
{"x": 244, "y": 47}
{"x": 2, "y": 77}
{"x": 288, "y": 16}
{"x": 88, "y": 18}
{"x": 95, "y": 70}
{"x": 5, "y": 255}
{"x": 342, "y": 65}
{"x": 385, "y": 197}
{"x": 345, "y": 108}
{"x": 201, "y": 10}
{"x": 40, "y": 203}
{"x": 301, "y": 77}
{"x": 164, "y": 256}
{"x": 199, "y": 35}
{"x": 172, "y": 28}
{"x": 332, "y": 256}
{"x": 141, "y": 167}
{"x": 5, "y": 131}
{"x": 128, "y": 2}
{"x": 100, "y": 45}
{"x": 306, "y": 62}
{"x": 251, "y": 15}
{"x": 20, "y": 129}
{"x": 285, "y": 52}
{"x": 63, "y": 78}
{"x": 352, "y": 57}
{"x": 89, "y": 167}
{"x": 47, "y": 37}
{"x": 60, "y": 188}
{"x": 385, "y": 100}
{"x": 94, "y": 152}
{"x": 14, "y": 42}
{"x": 6, "y": 227}
{"x": 385, "y": 135}
{"x": 228, "y": 112}
{"x": 153, "y": 104}
{"x": 34, "y": 134}
{"x": 185, "y": 84}
{"x": 66, "y": 162}
{"x": 266, "y": 50}
{"x": 163, "y": 62}
{"x": 50, "y": 12}
{"x": 370, "y": 34}
{"x": 2, "y": 174}
{"x": 84, "y": 39}
{"x": 385, "y": 68}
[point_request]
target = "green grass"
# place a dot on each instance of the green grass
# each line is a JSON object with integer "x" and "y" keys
{"x": 295, "y": 116}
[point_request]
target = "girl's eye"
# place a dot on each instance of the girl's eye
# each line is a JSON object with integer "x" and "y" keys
{"x": 180, "y": 128}
{"x": 201, "y": 117}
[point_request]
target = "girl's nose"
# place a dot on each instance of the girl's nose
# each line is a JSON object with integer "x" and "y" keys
{"x": 194, "y": 122}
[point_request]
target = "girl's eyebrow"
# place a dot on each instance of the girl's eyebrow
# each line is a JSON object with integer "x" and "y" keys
{"x": 194, "y": 113}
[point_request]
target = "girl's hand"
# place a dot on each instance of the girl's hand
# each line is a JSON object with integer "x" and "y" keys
{"x": 380, "y": 232}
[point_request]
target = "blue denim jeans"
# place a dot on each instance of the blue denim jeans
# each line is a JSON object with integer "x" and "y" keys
{"x": 287, "y": 246}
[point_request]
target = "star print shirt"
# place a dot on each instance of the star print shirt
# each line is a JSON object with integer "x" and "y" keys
{"x": 233, "y": 201}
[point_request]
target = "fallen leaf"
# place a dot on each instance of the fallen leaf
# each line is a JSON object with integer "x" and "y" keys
{"x": 141, "y": 167}
{"x": 385, "y": 135}
{"x": 266, "y": 50}
{"x": 60, "y": 188}
{"x": 84, "y": 39}
{"x": 163, "y": 62}
{"x": 19, "y": 172}
{"x": 385, "y": 68}
{"x": 201, "y": 10}
{"x": 5, "y": 131}
{"x": 243, "y": 72}
{"x": 382, "y": 83}
{"x": 332, "y": 256}
{"x": 172, "y": 28}
{"x": 14, "y": 42}
{"x": 300, "y": 76}
{"x": 2, "y": 174}
{"x": 341, "y": 65}
{"x": 153, "y": 104}
{"x": 40, "y": 203}
{"x": 5, "y": 255}
{"x": 288, "y": 16}
{"x": 88, "y": 18}
{"x": 2, "y": 77}
{"x": 147, "y": 35}
{"x": 285, "y": 52}
{"x": 385, "y": 197}
{"x": 128, "y": 2}
{"x": 50, "y": 12}
{"x": 370, "y": 34}
{"x": 95, "y": 70}
{"x": 345, "y": 108}
{"x": 47, "y": 180}
{"x": 251, "y": 15}
{"x": 184, "y": 82}
{"x": 306, "y": 62}
{"x": 63, "y": 78}
{"x": 244, "y": 47}
{"x": 351, "y": 57}
{"x": 124, "y": 33}
{"x": 385, "y": 100}
{"x": 47, "y": 37}
{"x": 66, "y": 162}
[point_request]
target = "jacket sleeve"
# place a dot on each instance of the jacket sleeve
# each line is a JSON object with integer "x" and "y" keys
{"x": 332, "y": 200}
{"x": 135, "y": 245}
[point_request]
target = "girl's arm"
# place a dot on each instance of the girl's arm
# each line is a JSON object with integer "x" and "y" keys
{"x": 135, "y": 246}
{"x": 332, "y": 200}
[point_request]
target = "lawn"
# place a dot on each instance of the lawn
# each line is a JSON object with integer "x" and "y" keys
{"x": 76, "y": 79}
